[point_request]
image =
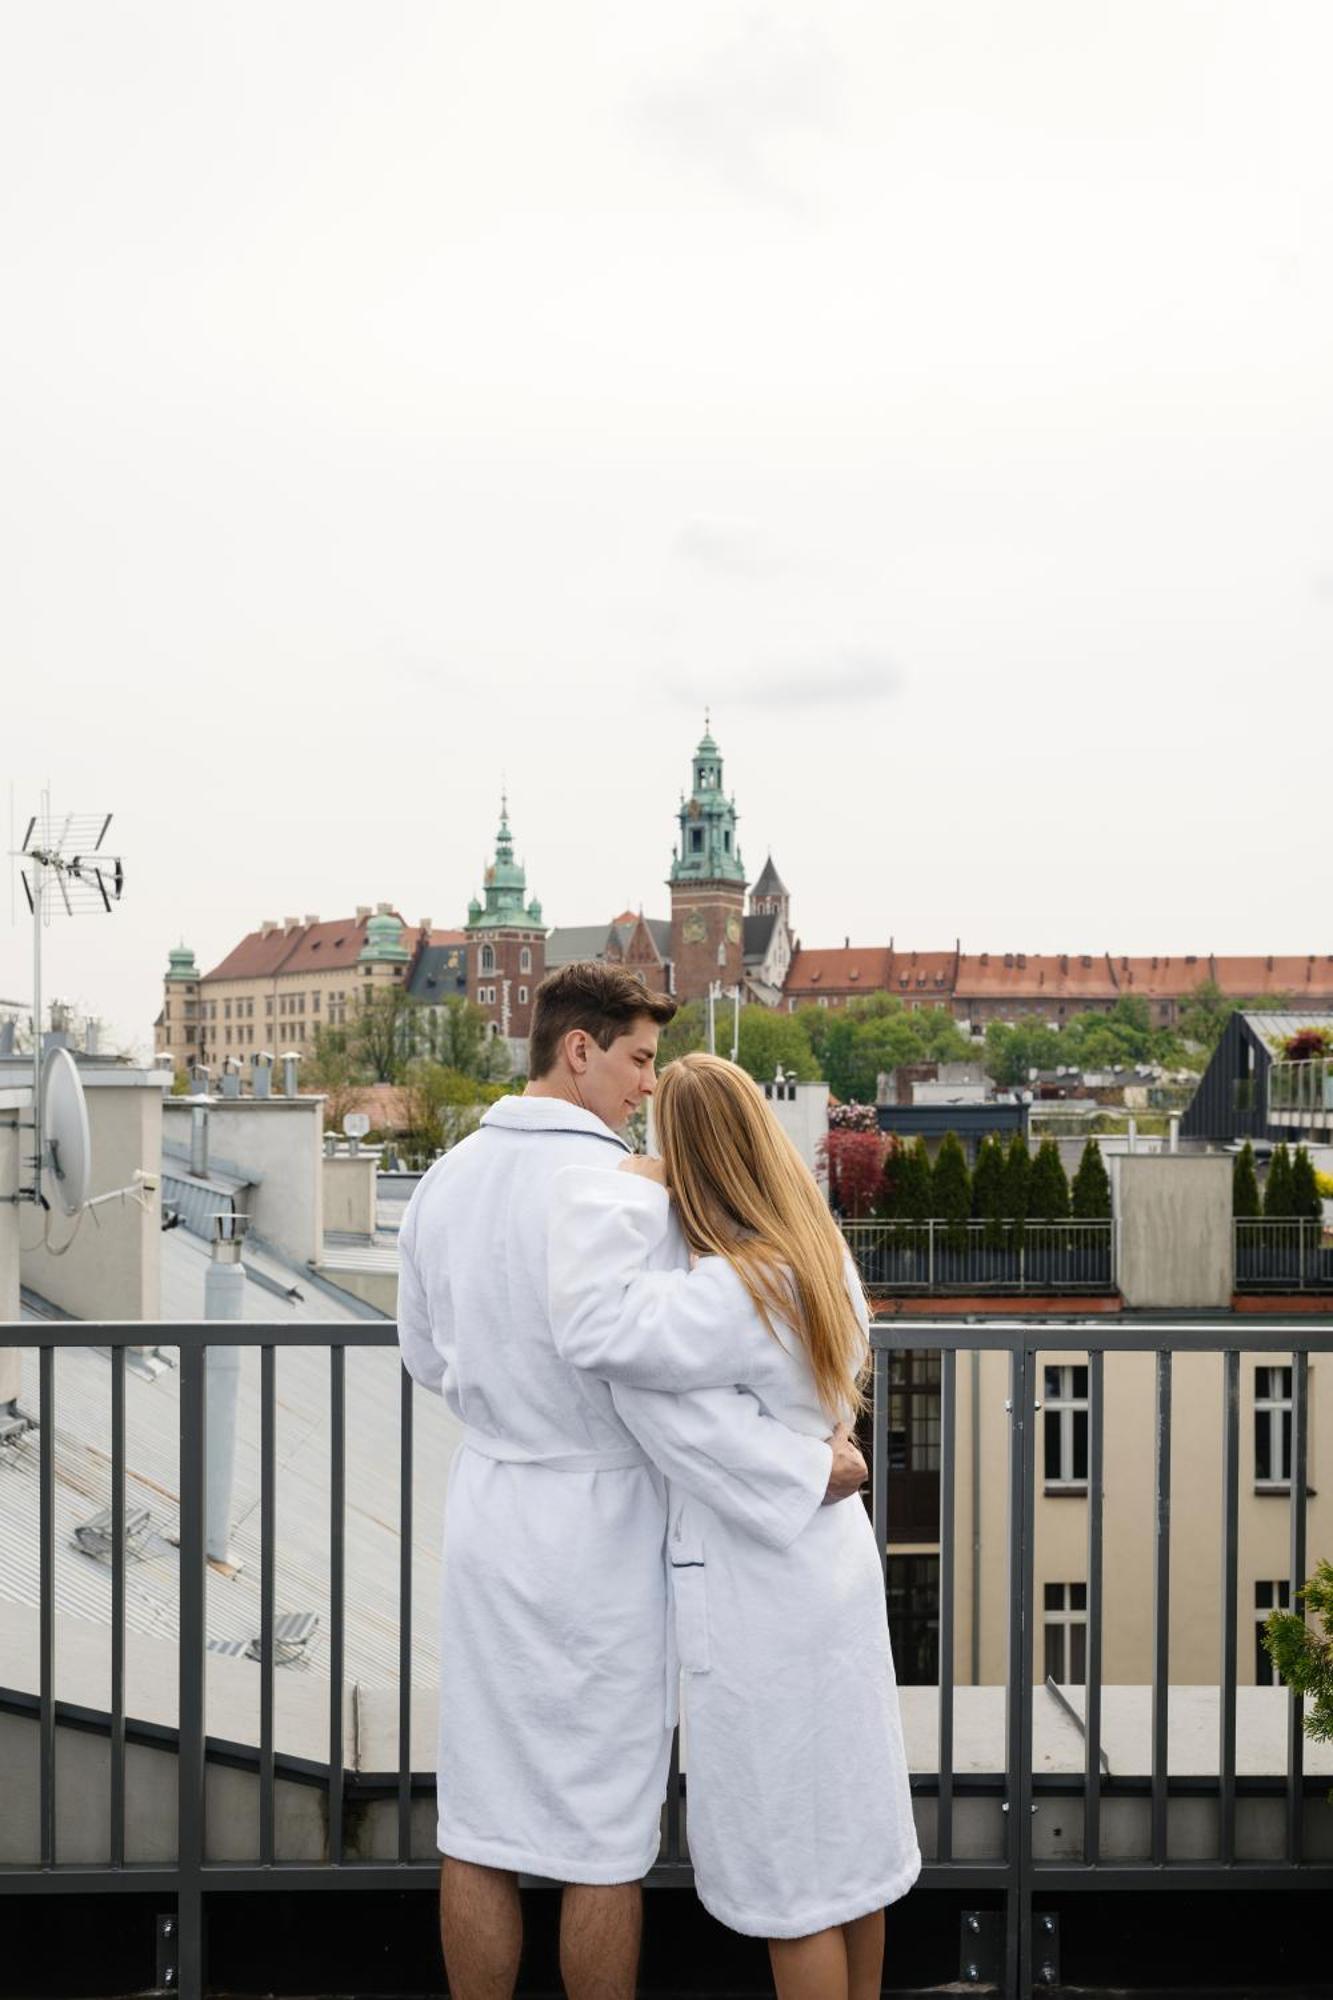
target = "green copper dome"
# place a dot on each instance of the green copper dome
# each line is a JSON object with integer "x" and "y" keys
{"x": 505, "y": 889}
{"x": 180, "y": 963}
{"x": 708, "y": 849}
{"x": 384, "y": 942}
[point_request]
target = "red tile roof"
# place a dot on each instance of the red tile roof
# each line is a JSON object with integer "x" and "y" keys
{"x": 991, "y": 975}
{"x": 851, "y": 970}
{"x": 299, "y": 948}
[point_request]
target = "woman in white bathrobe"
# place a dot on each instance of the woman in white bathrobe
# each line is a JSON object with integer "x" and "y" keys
{"x": 800, "y": 1818}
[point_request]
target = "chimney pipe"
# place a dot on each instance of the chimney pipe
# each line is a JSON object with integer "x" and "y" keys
{"x": 261, "y": 1074}
{"x": 224, "y": 1299}
{"x": 200, "y": 1078}
{"x": 230, "y": 1083}
{"x": 91, "y": 1037}
{"x": 7, "y": 1037}
{"x": 290, "y": 1064}
{"x": 199, "y": 1141}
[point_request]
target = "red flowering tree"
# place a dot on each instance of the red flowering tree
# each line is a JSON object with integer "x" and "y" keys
{"x": 854, "y": 1163}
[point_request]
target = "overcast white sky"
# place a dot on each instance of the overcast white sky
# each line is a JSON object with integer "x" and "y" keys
{"x": 399, "y": 396}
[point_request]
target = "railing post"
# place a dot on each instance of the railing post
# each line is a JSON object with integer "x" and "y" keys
{"x": 930, "y": 1256}
{"x": 190, "y": 1771}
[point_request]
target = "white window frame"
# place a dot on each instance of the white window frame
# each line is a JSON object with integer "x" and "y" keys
{"x": 525, "y": 959}
{"x": 486, "y": 961}
{"x": 1066, "y": 1404}
{"x": 1064, "y": 1620}
{"x": 1279, "y": 1599}
{"x": 1273, "y": 1402}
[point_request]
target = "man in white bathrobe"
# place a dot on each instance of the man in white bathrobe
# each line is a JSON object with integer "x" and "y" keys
{"x": 557, "y": 1675}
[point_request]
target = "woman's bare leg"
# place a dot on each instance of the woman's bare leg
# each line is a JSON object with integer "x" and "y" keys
{"x": 810, "y": 1968}
{"x": 865, "y": 1956}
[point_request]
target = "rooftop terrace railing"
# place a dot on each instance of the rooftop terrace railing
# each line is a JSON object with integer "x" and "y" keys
{"x": 1276, "y": 1254}
{"x": 1007, "y": 1881}
{"x": 936, "y": 1256}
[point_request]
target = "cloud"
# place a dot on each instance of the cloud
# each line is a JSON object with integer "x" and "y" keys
{"x": 847, "y": 676}
{"x": 740, "y": 111}
{"x": 732, "y": 549}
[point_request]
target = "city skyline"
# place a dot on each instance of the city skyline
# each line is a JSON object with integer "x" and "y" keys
{"x": 950, "y": 410}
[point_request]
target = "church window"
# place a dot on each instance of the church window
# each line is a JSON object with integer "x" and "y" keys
{"x": 522, "y": 996}
{"x": 487, "y": 958}
{"x": 726, "y": 840}
{"x": 525, "y": 961}
{"x": 696, "y": 840}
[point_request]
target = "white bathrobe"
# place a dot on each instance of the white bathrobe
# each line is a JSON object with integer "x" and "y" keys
{"x": 556, "y": 1684}
{"x": 799, "y": 1808}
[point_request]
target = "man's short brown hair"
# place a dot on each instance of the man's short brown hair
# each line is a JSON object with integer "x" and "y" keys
{"x": 603, "y": 1000}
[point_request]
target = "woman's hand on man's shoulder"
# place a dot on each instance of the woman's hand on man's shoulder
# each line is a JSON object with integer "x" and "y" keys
{"x": 647, "y": 1169}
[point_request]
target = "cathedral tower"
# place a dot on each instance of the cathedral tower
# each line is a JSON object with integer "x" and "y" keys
{"x": 506, "y": 944}
{"x": 707, "y": 884}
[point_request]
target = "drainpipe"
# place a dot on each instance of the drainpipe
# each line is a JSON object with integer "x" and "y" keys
{"x": 976, "y": 1516}
{"x": 224, "y": 1299}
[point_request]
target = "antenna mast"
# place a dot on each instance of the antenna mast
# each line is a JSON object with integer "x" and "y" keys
{"x": 61, "y": 853}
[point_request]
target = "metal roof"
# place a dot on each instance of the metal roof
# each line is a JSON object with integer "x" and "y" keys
{"x": 82, "y": 1488}
{"x": 1272, "y": 1029}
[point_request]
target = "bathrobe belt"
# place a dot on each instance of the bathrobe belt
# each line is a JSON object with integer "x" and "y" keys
{"x": 615, "y": 1459}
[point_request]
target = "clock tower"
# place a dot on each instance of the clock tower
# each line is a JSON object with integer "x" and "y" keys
{"x": 707, "y": 884}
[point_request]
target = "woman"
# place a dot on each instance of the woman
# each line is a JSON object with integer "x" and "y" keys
{"x": 800, "y": 1818}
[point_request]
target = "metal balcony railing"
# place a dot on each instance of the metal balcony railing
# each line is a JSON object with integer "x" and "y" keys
{"x": 1278, "y": 1255}
{"x": 1303, "y": 1087}
{"x": 1047, "y": 1257}
{"x": 1009, "y": 1882}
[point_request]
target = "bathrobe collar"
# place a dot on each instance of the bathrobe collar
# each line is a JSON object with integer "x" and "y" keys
{"x": 549, "y": 1114}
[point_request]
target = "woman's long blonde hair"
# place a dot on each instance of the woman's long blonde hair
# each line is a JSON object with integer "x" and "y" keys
{"x": 744, "y": 1193}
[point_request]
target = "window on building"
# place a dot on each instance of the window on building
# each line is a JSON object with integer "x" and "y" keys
{"x": 696, "y": 840}
{"x": 1066, "y": 1629}
{"x": 1272, "y": 1427}
{"x": 726, "y": 839}
{"x": 1066, "y": 1419}
{"x": 525, "y": 960}
{"x": 1274, "y": 1595}
{"x": 487, "y": 958}
{"x": 227, "y": 1010}
{"x": 522, "y": 996}
{"x": 166, "y": 1010}
{"x": 914, "y": 1618}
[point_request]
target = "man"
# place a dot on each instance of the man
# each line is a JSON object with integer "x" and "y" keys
{"x": 556, "y": 1672}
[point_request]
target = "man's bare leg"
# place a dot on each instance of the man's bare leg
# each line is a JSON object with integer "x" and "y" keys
{"x": 600, "y": 1928}
{"x": 810, "y": 1968}
{"x": 865, "y": 1956}
{"x": 481, "y": 1930}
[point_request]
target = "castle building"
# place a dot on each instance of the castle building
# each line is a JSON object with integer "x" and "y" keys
{"x": 283, "y": 982}
{"x": 707, "y": 884}
{"x": 506, "y": 946}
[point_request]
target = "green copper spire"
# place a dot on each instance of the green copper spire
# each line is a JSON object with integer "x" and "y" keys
{"x": 708, "y": 849}
{"x": 384, "y": 942}
{"x": 180, "y": 962}
{"x": 504, "y": 888}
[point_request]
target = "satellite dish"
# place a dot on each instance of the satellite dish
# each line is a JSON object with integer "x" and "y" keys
{"x": 356, "y": 1124}
{"x": 66, "y": 1148}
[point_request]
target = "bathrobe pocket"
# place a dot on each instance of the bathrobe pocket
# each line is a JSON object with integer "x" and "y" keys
{"x": 689, "y": 1599}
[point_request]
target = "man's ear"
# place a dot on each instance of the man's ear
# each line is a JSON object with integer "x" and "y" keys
{"x": 576, "y": 1050}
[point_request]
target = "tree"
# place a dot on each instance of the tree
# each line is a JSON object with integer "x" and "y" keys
{"x": 1012, "y": 1051}
{"x": 768, "y": 1039}
{"x": 1278, "y": 1191}
{"x": 952, "y": 1189}
{"x": 333, "y": 1068}
{"x": 1048, "y": 1189}
{"x": 454, "y": 1035}
{"x": 890, "y": 1188}
{"x": 854, "y": 1164}
{"x": 1303, "y": 1659}
{"x": 1245, "y": 1200}
{"x": 685, "y": 1032}
{"x": 1205, "y": 1014}
{"x": 1305, "y": 1197}
{"x": 441, "y": 1106}
{"x": 988, "y": 1188}
{"x": 1017, "y": 1174}
{"x": 379, "y": 1036}
{"x": 1092, "y": 1186}
{"x": 916, "y": 1191}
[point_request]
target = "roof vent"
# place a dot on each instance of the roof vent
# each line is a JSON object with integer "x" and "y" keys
{"x": 94, "y": 1536}
{"x": 291, "y": 923}
{"x": 267, "y": 928}
{"x": 310, "y": 920}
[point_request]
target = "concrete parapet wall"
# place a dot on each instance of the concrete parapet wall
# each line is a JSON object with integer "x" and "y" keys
{"x": 1174, "y": 1216}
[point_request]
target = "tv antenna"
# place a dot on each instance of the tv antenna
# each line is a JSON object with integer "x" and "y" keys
{"x": 63, "y": 866}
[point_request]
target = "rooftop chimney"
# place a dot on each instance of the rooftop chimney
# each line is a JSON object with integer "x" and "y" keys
{"x": 229, "y": 1084}
{"x": 425, "y": 925}
{"x": 362, "y": 912}
{"x": 199, "y": 1142}
{"x": 7, "y": 1029}
{"x": 384, "y": 909}
{"x": 91, "y": 1036}
{"x": 291, "y": 923}
{"x": 290, "y": 1064}
{"x": 310, "y": 920}
{"x": 261, "y": 1074}
{"x": 200, "y": 1078}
